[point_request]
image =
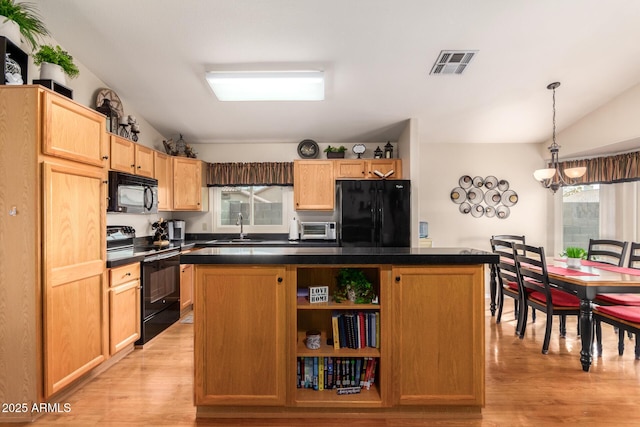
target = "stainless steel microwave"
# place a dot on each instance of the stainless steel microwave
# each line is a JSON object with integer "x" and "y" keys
{"x": 132, "y": 194}
{"x": 317, "y": 231}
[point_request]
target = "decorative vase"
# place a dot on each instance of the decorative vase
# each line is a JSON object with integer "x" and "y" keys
{"x": 53, "y": 72}
{"x": 13, "y": 72}
{"x": 10, "y": 30}
{"x": 574, "y": 262}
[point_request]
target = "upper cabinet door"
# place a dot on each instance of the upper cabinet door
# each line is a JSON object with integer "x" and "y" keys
{"x": 73, "y": 132}
{"x": 313, "y": 185}
{"x": 144, "y": 161}
{"x": 349, "y": 169}
{"x": 163, "y": 172}
{"x": 187, "y": 184}
{"x": 122, "y": 155}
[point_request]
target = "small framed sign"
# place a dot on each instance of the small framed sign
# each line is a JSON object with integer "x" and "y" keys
{"x": 318, "y": 294}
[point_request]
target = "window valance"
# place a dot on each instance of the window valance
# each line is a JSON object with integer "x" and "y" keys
{"x": 257, "y": 173}
{"x": 607, "y": 170}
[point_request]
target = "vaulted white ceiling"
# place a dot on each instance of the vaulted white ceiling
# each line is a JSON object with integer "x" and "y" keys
{"x": 377, "y": 55}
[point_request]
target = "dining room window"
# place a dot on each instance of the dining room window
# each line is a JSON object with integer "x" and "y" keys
{"x": 580, "y": 214}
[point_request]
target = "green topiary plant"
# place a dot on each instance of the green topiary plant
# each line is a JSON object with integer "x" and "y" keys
{"x": 25, "y": 15}
{"x": 48, "y": 53}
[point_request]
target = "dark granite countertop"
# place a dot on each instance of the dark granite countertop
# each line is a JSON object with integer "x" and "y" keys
{"x": 337, "y": 255}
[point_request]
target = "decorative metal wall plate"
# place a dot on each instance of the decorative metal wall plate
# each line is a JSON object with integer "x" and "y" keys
{"x": 490, "y": 196}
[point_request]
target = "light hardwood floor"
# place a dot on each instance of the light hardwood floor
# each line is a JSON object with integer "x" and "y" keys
{"x": 153, "y": 386}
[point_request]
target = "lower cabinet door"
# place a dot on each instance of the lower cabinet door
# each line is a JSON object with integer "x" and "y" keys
{"x": 239, "y": 348}
{"x": 438, "y": 341}
{"x": 124, "y": 315}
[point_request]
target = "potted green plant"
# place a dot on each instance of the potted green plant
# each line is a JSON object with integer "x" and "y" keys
{"x": 23, "y": 18}
{"x": 354, "y": 286}
{"x": 335, "y": 152}
{"x": 574, "y": 256}
{"x": 55, "y": 63}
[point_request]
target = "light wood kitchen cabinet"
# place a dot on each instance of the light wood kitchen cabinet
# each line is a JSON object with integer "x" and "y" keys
{"x": 73, "y": 212}
{"x": 71, "y": 131}
{"x": 384, "y": 166}
{"x": 187, "y": 184}
{"x": 364, "y": 168}
{"x": 240, "y": 323}
{"x": 144, "y": 161}
{"x": 439, "y": 342}
{"x": 354, "y": 168}
{"x": 129, "y": 157}
{"x": 52, "y": 183}
{"x": 163, "y": 172}
{"x": 313, "y": 185}
{"x": 124, "y": 306}
{"x": 186, "y": 287}
{"x": 428, "y": 356}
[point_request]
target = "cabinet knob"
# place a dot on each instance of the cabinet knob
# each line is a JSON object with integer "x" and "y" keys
{"x": 139, "y": 167}
{"x": 397, "y": 278}
{"x": 128, "y": 274}
{"x": 133, "y": 166}
{"x": 279, "y": 279}
{"x": 105, "y": 182}
{"x": 105, "y": 157}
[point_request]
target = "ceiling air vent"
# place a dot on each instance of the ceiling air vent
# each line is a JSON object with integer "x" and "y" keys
{"x": 452, "y": 61}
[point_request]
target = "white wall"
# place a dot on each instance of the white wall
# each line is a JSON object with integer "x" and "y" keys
{"x": 441, "y": 167}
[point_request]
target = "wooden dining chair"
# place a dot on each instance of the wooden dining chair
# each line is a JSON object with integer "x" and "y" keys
{"x": 506, "y": 278}
{"x": 531, "y": 268}
{"x": 496, "y": 294}
{"x": 629, "y": 300}
{"x": 608, "y": 251}
{"x": 623, "y": 317}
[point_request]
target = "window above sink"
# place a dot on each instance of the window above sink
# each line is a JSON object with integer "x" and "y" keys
{"x": 265, "y": 209}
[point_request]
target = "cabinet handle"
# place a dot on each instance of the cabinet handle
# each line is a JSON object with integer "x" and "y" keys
{"x": 279, "y": 279}
{"x": 105, "y": 182}
{"x": 397, "y": 278}
{"x": 128, "y": 274}
{"x": 105, "y": 157}
{"x": 139, "y": 167}
{"x": 133, "y": 166}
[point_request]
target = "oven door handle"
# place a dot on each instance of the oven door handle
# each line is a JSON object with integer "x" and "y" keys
{"x": 161, "y": 256}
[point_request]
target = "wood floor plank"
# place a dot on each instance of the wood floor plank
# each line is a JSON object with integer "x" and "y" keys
{"x": 154, "y": 386}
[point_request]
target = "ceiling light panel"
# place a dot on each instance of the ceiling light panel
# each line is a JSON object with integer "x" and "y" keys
{"x": 267, "y": 85}
{"x": 453, "y": 61}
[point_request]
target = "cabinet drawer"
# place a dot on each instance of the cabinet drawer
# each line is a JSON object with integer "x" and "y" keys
{"x": 124, "y": 274}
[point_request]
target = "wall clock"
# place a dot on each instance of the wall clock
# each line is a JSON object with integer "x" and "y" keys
{"x": 308, "y": 149}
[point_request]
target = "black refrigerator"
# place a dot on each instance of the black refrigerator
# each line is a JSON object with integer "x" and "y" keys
{"x": 375, "y": 213}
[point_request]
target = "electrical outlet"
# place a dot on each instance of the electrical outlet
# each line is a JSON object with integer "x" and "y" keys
{"x": 204, "y": 226}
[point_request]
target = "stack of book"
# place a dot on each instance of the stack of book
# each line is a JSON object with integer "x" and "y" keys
{"x": 356, "y": 329}
{"x": 327, "y": 373}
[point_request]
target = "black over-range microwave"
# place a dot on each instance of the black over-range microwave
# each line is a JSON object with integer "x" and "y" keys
{"x": 132, "y": 194}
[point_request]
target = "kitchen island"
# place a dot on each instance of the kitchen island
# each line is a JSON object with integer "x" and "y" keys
{"x": 423, "y": 358}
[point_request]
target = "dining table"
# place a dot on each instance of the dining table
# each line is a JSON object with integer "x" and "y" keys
{"x": 587, "y": 281}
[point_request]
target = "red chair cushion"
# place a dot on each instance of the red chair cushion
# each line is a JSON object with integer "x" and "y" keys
{"x": 628, "y": 313}
{"x": 513, "y": 285}
{"x": 560, "y": 298}
{"x": 620, "y": 299}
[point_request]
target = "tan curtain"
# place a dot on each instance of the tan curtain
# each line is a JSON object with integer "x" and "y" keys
{"x": 263, "y": 173}
{"x": 606, "y": 170}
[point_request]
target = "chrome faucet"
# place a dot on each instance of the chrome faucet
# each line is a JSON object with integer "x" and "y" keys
{"x": 239, "y": 222}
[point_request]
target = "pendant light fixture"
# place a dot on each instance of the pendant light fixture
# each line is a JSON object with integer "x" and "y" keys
{"x": 552, "y": 178}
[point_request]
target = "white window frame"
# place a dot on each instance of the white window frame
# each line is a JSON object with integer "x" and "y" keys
{"x": 287, "y": 213}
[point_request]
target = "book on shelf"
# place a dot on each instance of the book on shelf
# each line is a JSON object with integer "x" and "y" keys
{"x": 355, "y": 329}
{"x": 327, "y": 373}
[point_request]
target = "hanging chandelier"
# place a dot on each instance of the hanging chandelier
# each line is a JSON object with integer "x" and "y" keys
{"x": 552, "y": 178}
